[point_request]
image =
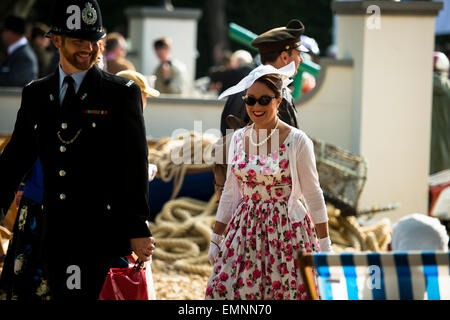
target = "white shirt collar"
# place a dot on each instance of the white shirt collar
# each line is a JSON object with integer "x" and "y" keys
{"x": 22, "y": 41}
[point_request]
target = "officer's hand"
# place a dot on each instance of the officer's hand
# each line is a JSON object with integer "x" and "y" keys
{"x": 143, "y": 247}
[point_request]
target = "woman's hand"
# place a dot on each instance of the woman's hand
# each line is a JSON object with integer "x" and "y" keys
{"x": 214, "y": 246}
{"x": 325, "y": 245}
{"x": 212, "y": 253}
{"x": 324, "y": 238}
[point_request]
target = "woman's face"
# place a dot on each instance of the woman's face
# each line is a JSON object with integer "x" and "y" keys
{"x": 262, "y": 115}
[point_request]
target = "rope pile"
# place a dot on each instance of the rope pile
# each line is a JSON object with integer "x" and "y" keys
{"x": 174, "y": 157}
{"x": 182, "y": 231}
{"x": 347, "y": 235}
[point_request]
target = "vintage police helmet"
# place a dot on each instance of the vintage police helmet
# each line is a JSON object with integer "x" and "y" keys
{"x": 79, "y": 19}
{"x": 281, "y": 39}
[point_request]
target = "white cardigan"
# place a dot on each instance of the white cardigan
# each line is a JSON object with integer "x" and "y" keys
{"x": 305, "y": 182}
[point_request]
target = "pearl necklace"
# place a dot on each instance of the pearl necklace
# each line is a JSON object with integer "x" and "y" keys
{"x": 266, "y": 139}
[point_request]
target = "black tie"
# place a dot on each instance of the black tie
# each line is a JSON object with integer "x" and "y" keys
{"x": 69, "y": 98}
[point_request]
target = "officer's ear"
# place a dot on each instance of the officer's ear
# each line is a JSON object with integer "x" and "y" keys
{"x": 57, "y": 40}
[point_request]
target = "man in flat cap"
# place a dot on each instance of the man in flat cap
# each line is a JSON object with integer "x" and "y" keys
{"x": 277, "y": 47}
{"x": 20, "y": 65}
{"x": 86, "y": 126}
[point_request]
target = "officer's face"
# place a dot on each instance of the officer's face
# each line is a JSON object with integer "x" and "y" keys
{"x": 262, "y": 116}
{"x": 81, "y": 54}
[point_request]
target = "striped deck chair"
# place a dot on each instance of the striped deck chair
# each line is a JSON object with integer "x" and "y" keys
{"x": 413, "y": 275}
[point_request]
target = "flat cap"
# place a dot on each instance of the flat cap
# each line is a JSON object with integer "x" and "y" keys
{"x": 281, "y": 39}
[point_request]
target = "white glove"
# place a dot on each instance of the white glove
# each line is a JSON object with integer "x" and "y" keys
{"x": 325, "y": 245}
{"x": 214, "y": 247}
{"x": 152, "y": 171}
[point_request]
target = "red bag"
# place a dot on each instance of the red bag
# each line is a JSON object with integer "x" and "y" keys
{"x": 125, "y": 283}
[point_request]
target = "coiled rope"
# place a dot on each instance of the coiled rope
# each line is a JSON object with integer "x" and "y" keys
{"x": 174, "y": 157}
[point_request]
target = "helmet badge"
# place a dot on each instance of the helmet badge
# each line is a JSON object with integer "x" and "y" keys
{"x": 89, "y": 14}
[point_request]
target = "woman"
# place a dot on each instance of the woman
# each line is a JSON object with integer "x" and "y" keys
{"x": 267, "y": 224}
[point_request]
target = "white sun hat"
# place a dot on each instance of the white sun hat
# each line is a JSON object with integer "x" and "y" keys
{"x": 285, "y": 72}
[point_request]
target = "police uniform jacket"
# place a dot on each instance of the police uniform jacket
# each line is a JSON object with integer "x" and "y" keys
{"x": 94, "y": 160}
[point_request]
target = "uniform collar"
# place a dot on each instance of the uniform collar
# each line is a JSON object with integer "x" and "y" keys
{"x": 77, "y": 77}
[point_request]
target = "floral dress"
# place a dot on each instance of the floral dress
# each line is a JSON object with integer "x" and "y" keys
{"x": 257, "y": 259}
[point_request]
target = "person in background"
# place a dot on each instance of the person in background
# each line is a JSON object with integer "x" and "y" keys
{"x": 241, "y": 63}
{"x": 313, "y": 55}
{"x": 146, "y": 92}
{"x": 440, "y": 123}
{"x": 419, "y": 232}
{"x": 171, "y": 73}
{"x": 20, "y": 66}
{"x": 40, "y": 45}
{"x": 214, "y": 71}
{"x": 115, "y": 53}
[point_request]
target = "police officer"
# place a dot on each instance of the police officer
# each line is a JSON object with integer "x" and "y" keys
{"x": 277, "y": 47}
{"x": 87, "y": 128}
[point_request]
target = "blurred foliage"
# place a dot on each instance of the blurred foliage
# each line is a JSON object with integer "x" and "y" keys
{"x": 257, "y": 16}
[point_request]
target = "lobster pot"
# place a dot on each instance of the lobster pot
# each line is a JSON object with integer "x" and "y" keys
{"x": 342, "y": 176}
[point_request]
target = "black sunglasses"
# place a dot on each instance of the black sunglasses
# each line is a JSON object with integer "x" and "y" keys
{"x": 263, "y": 101}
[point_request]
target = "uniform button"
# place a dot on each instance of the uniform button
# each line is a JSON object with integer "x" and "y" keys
{"x": 62, "y": 149}
{"x": 62, "y": 173}
{"x": 94, "y": 125}
{"x": 64, "y": 125}
{"x": 62, "y": 196}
